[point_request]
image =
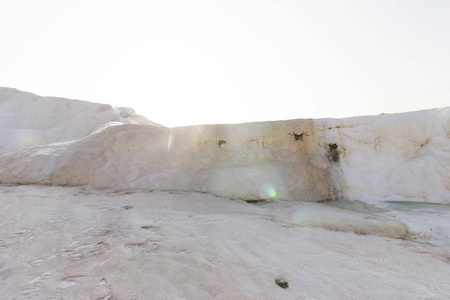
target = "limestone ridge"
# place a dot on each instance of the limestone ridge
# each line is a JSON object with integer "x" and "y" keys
{"x": 395, "y": 157}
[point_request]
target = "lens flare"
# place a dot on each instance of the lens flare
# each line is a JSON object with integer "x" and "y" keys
{"x": 169, "y": 142}
{"x": 271, "y": 192}
{"x": 267, "y": 191}
{"x": 305, "y": 218}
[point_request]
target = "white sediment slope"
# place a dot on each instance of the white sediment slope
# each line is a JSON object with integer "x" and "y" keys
{"x": 136, "y": 210}
{"x": 80, "y": 243}
{"x": 56, "y": 141}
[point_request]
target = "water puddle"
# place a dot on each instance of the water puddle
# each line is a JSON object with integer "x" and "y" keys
{"x": 355, "y": 205}
{"x": 417, "y": 206}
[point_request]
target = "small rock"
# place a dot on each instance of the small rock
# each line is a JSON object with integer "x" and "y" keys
{"x": 282, "y": 283}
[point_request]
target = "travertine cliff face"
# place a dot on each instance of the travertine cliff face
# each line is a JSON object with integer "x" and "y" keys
{"x": 66, "y": 142}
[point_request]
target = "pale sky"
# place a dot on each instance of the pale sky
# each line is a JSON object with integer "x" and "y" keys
{"x": 182, "y": 62}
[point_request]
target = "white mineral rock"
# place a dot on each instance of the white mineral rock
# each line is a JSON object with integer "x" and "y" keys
{"x": 163, "y": 225}
{"x": 65, "y": 142}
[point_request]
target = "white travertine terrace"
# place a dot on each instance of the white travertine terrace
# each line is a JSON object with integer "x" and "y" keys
{"x": 136, "y": 218}
{"x": 56, "y": 141}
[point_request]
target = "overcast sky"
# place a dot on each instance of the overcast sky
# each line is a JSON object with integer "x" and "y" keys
{"x": 182, "y": 62}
